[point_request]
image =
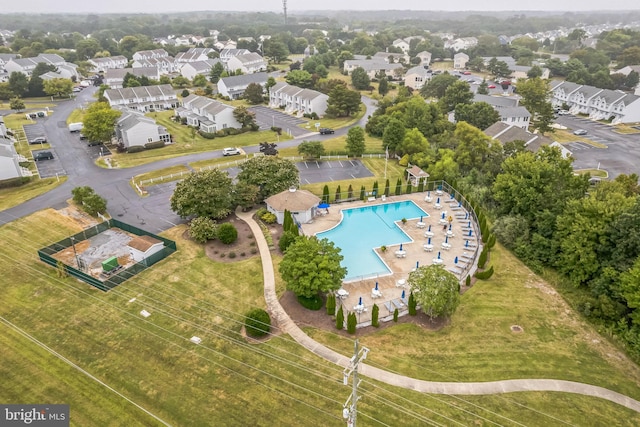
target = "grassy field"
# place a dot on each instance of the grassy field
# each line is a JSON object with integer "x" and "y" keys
{"x": 601, "y": 173}
{"x": 337, "y": 146}
{"x": 227, "y": 381}
{"x": 186, "y": 143}
{"x": 76, "y": 116}
{"x": 10, "y": 197}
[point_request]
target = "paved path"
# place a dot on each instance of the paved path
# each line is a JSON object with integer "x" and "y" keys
{"x": 287, "y": 325}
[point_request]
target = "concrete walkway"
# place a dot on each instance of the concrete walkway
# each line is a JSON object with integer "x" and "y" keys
{"x": 287, "y": 325}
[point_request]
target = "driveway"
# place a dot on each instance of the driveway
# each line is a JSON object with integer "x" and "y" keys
{"x": 267, "y": 117}
{"x": 621, "y": 156}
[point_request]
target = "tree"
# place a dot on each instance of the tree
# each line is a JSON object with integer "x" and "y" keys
{"x": 393, "y": 135}
{"x": 87, "y": 48}
{"x": 414, "y": 142}
{"x": 276, "y": 50}
{"x": 311, "y": 149}
{"x": 16, "y": 104}
{"x": 483, "y": 88}
{"x": 383, "y": 86}
{"x": 271, "y": 82}
{"x": 270, "y": 174}
{"x": 535, "y": 94}
{"x": 312, "y": 265}
{"x": 179, "y": 82}
{"x": 94, "y": 204}
{"x": 355, "y": 142}
{"x": 245, "y": 195}
{"x": 216, "y": 72}
{"x": 478, "y": 114}
{"x": 299, "y": 78}
{"x": 199, "y": 80}
{"x": 457, "y": 93}
{"x": 360, "y": 79}
{"x": 435, "y": 290}
{"x": 534, "y": 72}
{"x": 227, "y": 233}
{"x": 342, "y": 102}
{"x": 438, "y": 85}
{"x": 19, "y": 83}
{"x": 204, "y": 194}
{"x": 246, "y": 118}
{"x": 5, "y": 92}
{"x": 473, "y": 147}
{"x": 99, "y": 121}
{"x": 203, "y": 229}
{"x": 58, "y": 87}
{"x": 254, "y": 93}
{"x": 257, "y": 323}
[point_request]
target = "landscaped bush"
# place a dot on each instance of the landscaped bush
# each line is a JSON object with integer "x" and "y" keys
{"x": 404, "y": 161}
{"x": 152, "y": 145}
{"x": 352, "y": 322}
{"x": 340, "y": 319}
{"x": 395, "y": 315}
{"x": 491, "y": 242}
{"x": 268, "y": 218}
{"x": 375, "y": 310}
{"x": 331, "y": 304}
{"x": 207, "y": 135}
{"x": 313, "y": 303}
{"x": 482, "y": 259}
{"x": 232, "y": 254}
{"x": 227, "y": 233}
{"x": 261, "y": 212}
{"x": 286, "y": 240}
{"x": 484, "y": 275}
{"x": 202, "y": 229}
{"x": 14, "y": 182}
{"x": 135, "y": 149}
{"x": 412, "y": 305}
{"x": 468, "y": 280}
{"x": 257, "y": 323}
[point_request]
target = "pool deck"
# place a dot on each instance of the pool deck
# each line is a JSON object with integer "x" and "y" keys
{"x": 415, "y": 252}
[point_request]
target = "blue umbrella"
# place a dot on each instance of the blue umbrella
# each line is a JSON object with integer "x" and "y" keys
{"x": 377, "y": 284}
{"x": 420, "y": 218}
{"x": 323, "y": 205}
{"x": 417, "y": 264}
{"x": 438, "y": 201}
{"x": 449, "y": 226}
{"x": 459, "y": 204}
{"x": 438, "y": 254}
{"x": 428, "y": 193}
{"x": 429, "y": 229}
{"x": 400, "y": 249}
{"x": 360, "y": 301}
{"x": 442, "y": 215}
{"x": 466, "y": 245}
{"x": 446, "y": 239}
{"x": 455, "y": 261}
{"x": 429, "y": 241}
{"x": 466, "y": 215}
{"x": 452, "y": 196}
{"x": 403, "y": 294}
{"x": 470, "y": 231}
{"x": 469, "y": 224}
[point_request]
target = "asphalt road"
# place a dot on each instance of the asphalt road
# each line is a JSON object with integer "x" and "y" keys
{"x": 621, "y": 155}
{"x": 76, "y": 161}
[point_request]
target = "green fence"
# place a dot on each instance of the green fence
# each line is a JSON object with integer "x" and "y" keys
{"x": 45, "y": 254}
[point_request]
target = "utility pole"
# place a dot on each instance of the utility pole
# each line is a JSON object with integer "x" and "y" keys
{"x": 349, "y": 409}
{"x": 284, "y": 8}
{"x": 75, "y": 254}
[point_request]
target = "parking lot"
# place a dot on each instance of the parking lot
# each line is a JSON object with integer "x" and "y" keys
{"x": 337, "y": 170}
{"x": 49, "y": 168}
{"x": 34, "y": 131}
{"x": 267, "y": 117}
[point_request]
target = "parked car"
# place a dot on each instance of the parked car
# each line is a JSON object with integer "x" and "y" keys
{"x": 38, "y": 140}
{"x": 466, "y": 73}
{"x": 92, "y": 143}
{"x": 563, "y": 112}
{"x": 230, "y": 151}
{"x": 326, "y": 131}
{"x": 580, "y": 132}
{"x": 491, "y": 86}
{"x": 43, "y": 155}
{"x": 82, "y": 137}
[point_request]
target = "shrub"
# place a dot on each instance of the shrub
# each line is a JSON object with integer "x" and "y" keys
{"x": 135, "y": 149}
{"x": 482, "y": 259}
{"x": 352, "y": 322}
{"x": 484, "y": 275}
{"x": 80, "y": 193}
{"x": 232, "y": 254}
{"x": 331, "y": 304}
{"x": 254, "y": 251}
{"x": 374, "y": 316}
{"x": 227, "y": 233}
{"x": 468, "y": 280}
{"x": 93, "y": 204}
{"x": 395, "y": 315}
{"x": 257, "y": 323}
{"x": 207, "y": 135}
{"x": 362, "y": 193}
{"x": 155, "y": 144}
{"x": 404, "y": 161}
{"x": 491, "y": 242}
{"x": 314, "y": 303}
{"x": 412, "y": 305}
{"x": 286, "y": 240}
{"x": 14, "y": 182}
{"x": 261, "y": 212}
{"x": 340, "y": 319}
{"x": 268, "y": 218}
{"x": 243, "y": 254}
{"x": 421, "y": 186}
{"x": 202, "y": 229}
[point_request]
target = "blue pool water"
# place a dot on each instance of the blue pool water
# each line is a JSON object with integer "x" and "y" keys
{"x": 365, "y": 228}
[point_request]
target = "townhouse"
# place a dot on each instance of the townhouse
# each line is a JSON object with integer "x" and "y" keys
{"x": 133, "y": 128}
{"x": 374, "y": 68}
{"x": 194, "y": 54}
{"x": 143, "y": 98}
{"x": 298, "y": 101}
{"x": 207, "y": 114}
{"x": 114, "y": 77}
{"x": 417, "y": 77}
{"x": 26, "y": 66}
{"x": 100, "y": 65}
{"x": 234, "y": 86}
{"x": 247, "y": 63}
{"x": 191, "y": 69}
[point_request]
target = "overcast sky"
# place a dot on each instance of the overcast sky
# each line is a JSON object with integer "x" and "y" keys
{"x": 140, "y": 6}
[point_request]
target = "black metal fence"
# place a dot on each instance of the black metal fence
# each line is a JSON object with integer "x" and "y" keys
{"x": 114, "y": 280}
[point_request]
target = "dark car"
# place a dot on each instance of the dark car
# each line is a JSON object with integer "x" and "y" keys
{"x": 326, "y": 131}
{"x": 94, "y": 143}
{"x": 82, "y": 137}
{"x": 43, "y": 155}
{"x": 38, "y": 140}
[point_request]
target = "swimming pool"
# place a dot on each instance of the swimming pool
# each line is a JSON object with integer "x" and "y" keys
{"x": 368, "y": 227}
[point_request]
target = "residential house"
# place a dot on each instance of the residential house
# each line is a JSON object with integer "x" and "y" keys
{"x": 6, "y": 57}
{"x": 164, "y": 41}
{"x": 425, "y": 57}
{"x": 227, "y": 54}
{"x": 374, "y": 68}
{"x": 133, "y": 128}
{"x": 164, "y": 64}
{"x": 114, "y": 77}
{"x": 247, "y": 63}
{"x": 149, "y": 54}
{"x": 505, "y": 133}
{"x": 515, "y": 116}
{"x": 194, "y": 54}
{"x": 207, "y": 114}
{"x": 580, "y": 99}
{"x": 497, "y": 102}
{"x": 624, "y": 70}
{"x": 296, "y": 100}
{"x": 100, "y": 65}
{"x": 10, "y": 160}
{"x": 461, "y": 43}
{"x": 191, "y": 69}
{"x": 391, "y": 58}
{"x": 27, "y": 65}
{"x": 234, "y": 86}
{"x": 402, "y": 44}
{"x": 182, "y": 40}
{"x": 417, "y": 77}
{"x": 561, "y": 92}
{"x": 510, "y": 61}
{"x": 143, "y": 98}
{"x": 460, "y": 60}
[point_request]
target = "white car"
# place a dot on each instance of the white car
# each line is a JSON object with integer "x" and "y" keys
{"x": 230, "y": 151}
{"x": 580, "y": 132}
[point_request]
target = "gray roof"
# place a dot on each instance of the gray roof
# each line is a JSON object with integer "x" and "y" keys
{"x": 245, "y": 79}
{"x": 249, "y": 57}
{"x": 588, "y": 91}
{"x": 611, "y": 96}
{"x": 205, "y": 104}
{"x": 507, "y": 133}
{"x": 119, "y": 73}
{"x": 140, "y": 92}
{"x": 206, "y": 65}
{"x": 420, "y": 70}
{"x": 568, "y": 87}
{"x": 496, "y": 101}
{"x": 514, "y": 112}
{"x": 372, "y": 64}
{"x": 130, "y": 119}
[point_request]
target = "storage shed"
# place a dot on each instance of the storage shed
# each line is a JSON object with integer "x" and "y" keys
{"x": 142, "y": 247}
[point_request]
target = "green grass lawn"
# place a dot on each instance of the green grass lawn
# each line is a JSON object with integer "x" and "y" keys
{"x": 76, "y": 116}
{"x": 230, "y": 382}
{"x": 10, "y": 197}
{"x": 337, "y": 146}
{"x": 601, "y": 173}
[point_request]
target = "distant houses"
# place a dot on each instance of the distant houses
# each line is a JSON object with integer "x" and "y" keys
{"x": 26, "y": 66}
{"x": 114, "y": 77}
{"x": 374, "y": 67}
{"x": 247, "y": 63}
{"x": 9, "y": 158}
{"x": 191, "y": 69}
{"x": 100, "y": 65}
{"x": 510, "y": 112}
{"x": 234, "y": 86}
{"x": 296, "y": 100}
